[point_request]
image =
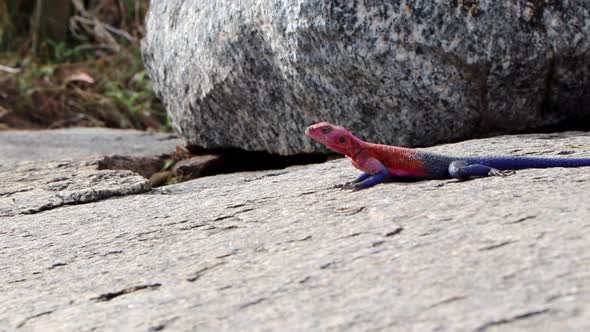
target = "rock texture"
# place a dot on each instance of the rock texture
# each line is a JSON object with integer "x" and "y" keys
{"x": 283, "y": 250}
{"x": 17, "y": 146}
{"x": 253, "y": 74}
{"x": 31, "y": 187}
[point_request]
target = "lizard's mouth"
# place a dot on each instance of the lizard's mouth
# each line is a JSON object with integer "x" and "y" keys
{"x": 313, "y": 134}
{"x": 309, "y": 132}
{"x": 325, "y": 140}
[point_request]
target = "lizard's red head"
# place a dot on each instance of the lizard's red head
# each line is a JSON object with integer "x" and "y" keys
{"x": 334, "y": 137}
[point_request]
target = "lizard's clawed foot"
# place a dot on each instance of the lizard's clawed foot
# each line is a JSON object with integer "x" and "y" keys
{"x": 346, "y": 186}
{"x": 356, "y": 188}
{"x": 497, "y": 172}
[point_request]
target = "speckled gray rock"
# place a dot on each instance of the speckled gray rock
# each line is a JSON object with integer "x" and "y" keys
{"x": 71, "y": 143}
{"x": 253, "y": 74}
{"x": 31, "y": 187}
{"x": 284, "y": 251}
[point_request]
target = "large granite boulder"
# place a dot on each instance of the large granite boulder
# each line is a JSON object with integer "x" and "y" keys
{"x": 252, "y": 74}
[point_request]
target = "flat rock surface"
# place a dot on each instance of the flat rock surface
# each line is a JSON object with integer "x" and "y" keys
{"x": 57, "y": 144}
{"x": 284, "y": 250}
{"x": 35, "y": 186}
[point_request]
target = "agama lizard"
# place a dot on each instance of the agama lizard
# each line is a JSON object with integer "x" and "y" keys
{"x": 381, "y": 163}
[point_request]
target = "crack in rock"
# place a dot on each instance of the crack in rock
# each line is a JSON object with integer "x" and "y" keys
{"x": 394, "y": 232}
{"x": 304, "y": 280}
{"x": 26, "y": 320}
{"x": 237, "y": 205}
{"x": 193, "y": 226}
{"x": 350, "y": 235}
{"x": 349, "y": 211}
{"x": 254, "y": 302}
{"x": 447, "y": 301}
{"x": 223, "y": 217}
{"x": 228, "y": 254}
{"x": 517, "y": 221}
{"x": 505, "y": 321}
{"x": 308, "y": 237}
{"x": 497, "y": 245}
{"x": 112, "y": 252}
{"x": 199, "y": 273}
{"x": 109, "y": 296}
{"x": 243, "y": 210}
{"x": 57, "y": 264}
{"x": 16, "y": 281}
{"x": 327, "y": 265}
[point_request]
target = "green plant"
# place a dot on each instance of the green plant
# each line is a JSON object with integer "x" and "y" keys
{"x": 60, "y": 52}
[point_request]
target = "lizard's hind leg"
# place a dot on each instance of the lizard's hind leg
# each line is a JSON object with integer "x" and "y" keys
{"x": 463, "y": 170}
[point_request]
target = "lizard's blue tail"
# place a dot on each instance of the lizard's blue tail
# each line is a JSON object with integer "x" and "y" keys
{"x": 514, "y": 163}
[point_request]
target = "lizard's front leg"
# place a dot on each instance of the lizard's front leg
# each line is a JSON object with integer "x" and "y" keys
{"x": 350, "y": 185}
{"x": 375, "y": 173}
{"x": 372, "y": 180}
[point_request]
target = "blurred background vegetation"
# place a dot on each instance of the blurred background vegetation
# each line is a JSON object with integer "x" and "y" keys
{"x": 66, "y": 63}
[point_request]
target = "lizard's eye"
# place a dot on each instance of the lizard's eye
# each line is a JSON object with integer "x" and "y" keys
{"x": 326, "y": 129}
{"x": 342, "y": 139}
